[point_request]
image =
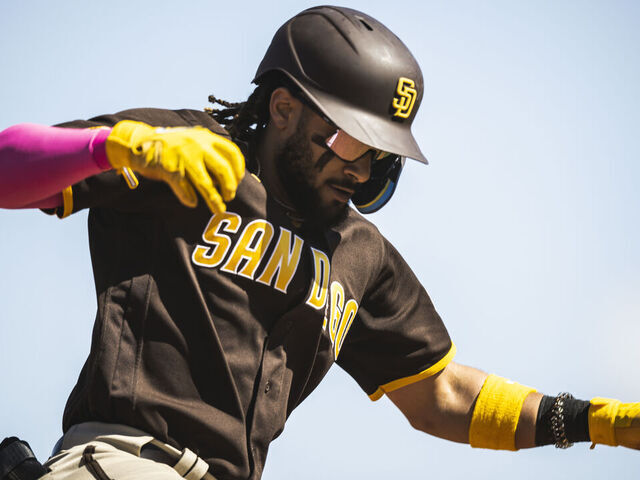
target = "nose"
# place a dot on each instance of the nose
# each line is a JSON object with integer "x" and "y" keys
{"x": 360, "y": 169}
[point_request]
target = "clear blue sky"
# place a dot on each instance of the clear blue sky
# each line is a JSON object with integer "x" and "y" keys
{"x": 524, "y": 229}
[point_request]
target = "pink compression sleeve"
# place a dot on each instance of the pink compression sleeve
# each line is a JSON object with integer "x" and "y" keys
{"x": 38, "y": 162}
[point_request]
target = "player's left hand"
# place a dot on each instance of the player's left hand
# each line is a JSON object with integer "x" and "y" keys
{"x": 189, "y": 159}
{"x": 614, "y": 423}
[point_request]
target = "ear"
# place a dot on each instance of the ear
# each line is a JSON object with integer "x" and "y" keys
{"x": 284, "y": 110}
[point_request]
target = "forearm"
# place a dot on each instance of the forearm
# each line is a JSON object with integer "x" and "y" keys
{"x": 451, "y": 397}
{"x": 38, "y": 162}
{"x": 466, "y": 405}
{"x": 526, "y": 430}
{"x": 442, "y": 405}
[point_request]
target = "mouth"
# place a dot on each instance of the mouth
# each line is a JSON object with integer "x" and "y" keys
{"x": 341, "y": 193}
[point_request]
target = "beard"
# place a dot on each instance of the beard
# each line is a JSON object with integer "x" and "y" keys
{"x": 298, "y": 172}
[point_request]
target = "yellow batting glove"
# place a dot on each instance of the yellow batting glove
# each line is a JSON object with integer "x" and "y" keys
{"x": 184, "y": 157}
{"x": 614, "y": 423}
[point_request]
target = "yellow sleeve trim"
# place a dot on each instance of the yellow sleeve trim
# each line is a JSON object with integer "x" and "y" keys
{"x": 402, "y": 382}
{"x": 67, "y": 202}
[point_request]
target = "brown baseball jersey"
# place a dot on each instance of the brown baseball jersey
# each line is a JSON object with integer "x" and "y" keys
{"x": 211, "y": 329}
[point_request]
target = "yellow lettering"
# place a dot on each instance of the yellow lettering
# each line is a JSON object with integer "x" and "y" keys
{"x": 218, "y": 243}
{"x": 283, "y": 260}
{"x": 350, "y": 310}
{"x": 251, "y": 247}
{"x": 322, "y": 270}
{"x": 337, "y": 305}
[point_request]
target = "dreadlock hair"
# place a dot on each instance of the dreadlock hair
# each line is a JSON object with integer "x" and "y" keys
{"x": 245, "y": 120}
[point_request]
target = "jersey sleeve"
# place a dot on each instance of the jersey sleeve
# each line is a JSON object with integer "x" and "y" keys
{"x": 397, "y": 338}
{"x": 109, "y": 189}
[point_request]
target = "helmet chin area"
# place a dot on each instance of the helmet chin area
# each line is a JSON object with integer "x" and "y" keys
{"x": 378, "y": 190}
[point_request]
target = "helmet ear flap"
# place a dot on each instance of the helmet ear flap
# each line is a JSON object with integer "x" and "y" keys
{"x": 378, "y": 190}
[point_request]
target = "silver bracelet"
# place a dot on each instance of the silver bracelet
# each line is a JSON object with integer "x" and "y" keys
{"x": 557, "y": 421}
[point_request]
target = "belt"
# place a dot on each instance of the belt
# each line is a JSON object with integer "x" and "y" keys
{"x": 185, "y": 462}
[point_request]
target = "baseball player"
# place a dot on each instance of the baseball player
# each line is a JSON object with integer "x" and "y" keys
{"x": 231, "y": 272}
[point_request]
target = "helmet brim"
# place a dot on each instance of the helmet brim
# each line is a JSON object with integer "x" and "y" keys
{"x": 370, "y": 129}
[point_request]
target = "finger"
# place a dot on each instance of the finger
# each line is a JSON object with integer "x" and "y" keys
{"x": 199, "y": 177}
{"x": 184, "y": 191}
{"x": 221, "y": 169}
{"x": 211, "y": 197}
{"x": 197, "y": 173}
{"x": 232, "y": 153}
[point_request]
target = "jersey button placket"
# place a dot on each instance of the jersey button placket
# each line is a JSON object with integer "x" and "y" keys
{"x": 267, "y": 386}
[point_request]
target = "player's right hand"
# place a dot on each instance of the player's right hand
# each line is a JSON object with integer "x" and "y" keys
{"x": 612, "y": 422}
{"x": 189, "y": 159}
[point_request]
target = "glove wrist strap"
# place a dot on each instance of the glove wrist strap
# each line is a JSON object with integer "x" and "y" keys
{"x": 602, "y": 415}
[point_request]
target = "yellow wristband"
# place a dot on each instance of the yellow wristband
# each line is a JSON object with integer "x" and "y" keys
{"x": 496, "y": 414}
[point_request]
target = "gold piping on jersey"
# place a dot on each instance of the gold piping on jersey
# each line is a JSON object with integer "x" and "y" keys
{"x": 67, "y": 202}
{"x": 402, "y": 382}
{"x": 406, "y": 94}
